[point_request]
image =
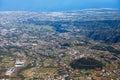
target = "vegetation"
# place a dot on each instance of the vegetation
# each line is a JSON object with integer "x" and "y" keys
{"x": 86, "y": 63}
{"x": 70, "y": 47}
{"x": 106, "y": 48}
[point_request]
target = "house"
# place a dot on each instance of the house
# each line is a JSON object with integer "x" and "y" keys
{"x": 20, "y": 63}
{"x": 10, "y": 71}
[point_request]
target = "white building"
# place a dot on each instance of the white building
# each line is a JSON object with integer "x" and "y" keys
{"x": 10, "y": 71}
{"x": 19, "y": 63}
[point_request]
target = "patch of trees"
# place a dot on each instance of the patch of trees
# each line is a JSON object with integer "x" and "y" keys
{"x": 86, "y": 63}
{"x": 106, "y": 48}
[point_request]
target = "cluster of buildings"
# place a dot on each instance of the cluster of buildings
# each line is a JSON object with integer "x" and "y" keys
{"x": 18, "y": 64}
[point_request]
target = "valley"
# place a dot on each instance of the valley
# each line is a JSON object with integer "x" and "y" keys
{"x": 41, "y": 46}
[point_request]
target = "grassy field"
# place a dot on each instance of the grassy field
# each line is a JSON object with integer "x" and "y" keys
{"x": 47, "y": 71}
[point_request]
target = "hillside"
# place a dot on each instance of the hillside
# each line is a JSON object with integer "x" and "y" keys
{"x": 98, "y": 24}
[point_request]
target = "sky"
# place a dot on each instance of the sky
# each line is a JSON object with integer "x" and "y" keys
{"x": 56, "y": 5}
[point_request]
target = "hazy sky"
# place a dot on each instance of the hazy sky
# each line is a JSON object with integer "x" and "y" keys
{"x": 56, "y": 5}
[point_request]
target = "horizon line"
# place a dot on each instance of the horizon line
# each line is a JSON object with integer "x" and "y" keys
{"x": 60, "y": 11}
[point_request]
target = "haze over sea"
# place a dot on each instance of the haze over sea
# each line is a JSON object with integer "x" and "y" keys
{"x": 56, "y": 5}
